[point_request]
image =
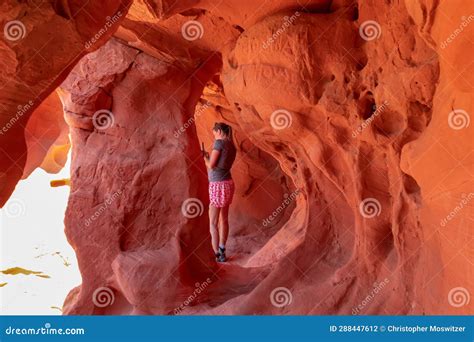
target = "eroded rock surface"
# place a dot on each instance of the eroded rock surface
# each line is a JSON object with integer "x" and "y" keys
{"x": 348, "y": 162}
{"x": 41, "y": 42}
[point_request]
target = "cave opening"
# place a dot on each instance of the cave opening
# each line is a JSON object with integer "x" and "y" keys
{"x": 37, "y": 257}
{"x": 331, "y": 67}
{"x": 264, "y": 198}
{"x": 140, "y": 171}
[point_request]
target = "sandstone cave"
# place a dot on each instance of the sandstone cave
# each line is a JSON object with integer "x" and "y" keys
{"x": 340, "y": 111}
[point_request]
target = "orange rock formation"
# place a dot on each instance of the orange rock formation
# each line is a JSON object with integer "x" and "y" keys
{"x": 354, "y": 170}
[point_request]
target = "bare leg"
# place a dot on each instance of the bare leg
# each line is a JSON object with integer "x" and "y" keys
{"x": 223, "y": 225}
{"x": 213, "y": 223}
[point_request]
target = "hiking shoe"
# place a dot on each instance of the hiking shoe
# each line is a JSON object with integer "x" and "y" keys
{"x": 220, "y": 256}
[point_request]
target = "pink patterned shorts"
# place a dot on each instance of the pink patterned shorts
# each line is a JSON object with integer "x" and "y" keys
{"x": 221, "y": 193}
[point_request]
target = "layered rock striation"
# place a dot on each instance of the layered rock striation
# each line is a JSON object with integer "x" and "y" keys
{"x": 353, "y": 175}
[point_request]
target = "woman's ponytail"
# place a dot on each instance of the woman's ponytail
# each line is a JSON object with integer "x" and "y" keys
{"x": 225, "y": 128}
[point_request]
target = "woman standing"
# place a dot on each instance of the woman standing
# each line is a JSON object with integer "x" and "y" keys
{"x": 221, "y": 186}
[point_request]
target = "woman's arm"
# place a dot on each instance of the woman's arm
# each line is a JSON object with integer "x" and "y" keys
{"x": 211, "y": 162}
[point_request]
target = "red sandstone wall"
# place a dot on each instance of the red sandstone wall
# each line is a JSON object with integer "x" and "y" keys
{"x": 41, "y": 42}
{"x": 355, "y": 125}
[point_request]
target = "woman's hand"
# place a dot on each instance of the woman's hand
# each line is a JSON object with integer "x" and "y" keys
{"x": 205, "y": 154}
{"x": 211, "y": 160}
